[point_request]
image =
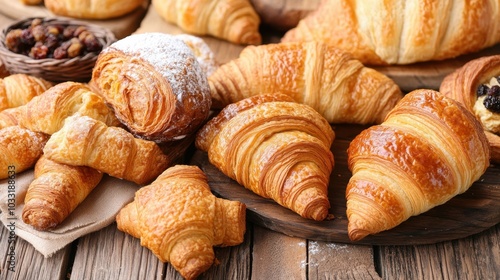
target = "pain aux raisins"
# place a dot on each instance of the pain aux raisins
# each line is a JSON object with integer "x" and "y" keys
{"x": 40, "y": 40}
{"x": 492, "y": 96}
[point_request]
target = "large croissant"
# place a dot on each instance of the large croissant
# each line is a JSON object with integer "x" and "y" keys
{"x": 48, "y": 111}
{"x": 233, "y": 20}
{"x": 325, "y": 78}
{"x": 112, "y": 150}
{"x": 180, "y": 220}
{"x": 20, "y": 148}
{"x": 402, "y": 31}
{"x": 18, "y": 89}
{"x": 428, "y": 150}
{"x": 155, "y": 85}
{"x": 56, "y": 191}
{"x": 275, "y": 147}
{"x": 464, "y": 85}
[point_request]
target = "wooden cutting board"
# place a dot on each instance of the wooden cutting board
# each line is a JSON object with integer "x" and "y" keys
{"x": 467, "y": 214}
{"x": 121, "y": 26}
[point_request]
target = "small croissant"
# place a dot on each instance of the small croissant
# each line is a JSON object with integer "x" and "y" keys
{"x": 180, "y": 220}
{"x": 47, "y": 112}
{"x": 18, "y": 89}
{"x": 56, "y": 191}
{"x": 233, "y": 20}
{"x": 275, "y": 147}
{"x": 20, "y": 148}
{"x": 112, "y": 150}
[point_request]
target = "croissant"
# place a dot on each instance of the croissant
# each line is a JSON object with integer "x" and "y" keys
{"x": 18, "y": 89}
{"x": 11, "y": 116}
{"x": 475, "y": 85}
{"x": 275, "y": 147}
{"x": 235, "y": 21}
{"x": 428, "y": 150}
{"x": 20, "y": 148}
{"x": 92, "y": 9}
{"x": 155, "y": 86}
{"x": 56, "y": 191}
{"x": 180, "y": 220}
{"x": 404, "y": 31}
{"x": 31, "y": 2}
{"x": 112, "y": 150}
{"x": 47, "y": 112}
{"x": 325, "y": 78}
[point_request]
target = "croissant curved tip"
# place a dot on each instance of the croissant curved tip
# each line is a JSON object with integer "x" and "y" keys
{"x": 357, "y": 234}
{"x": 40, "y": 220}
{"x": 251, "y": 38}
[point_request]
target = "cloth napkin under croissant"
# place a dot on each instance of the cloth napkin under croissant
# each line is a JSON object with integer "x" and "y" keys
{"x": 97, "y": 211}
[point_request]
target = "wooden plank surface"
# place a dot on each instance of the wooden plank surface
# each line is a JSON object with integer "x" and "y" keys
{"x": 479, "y": 204}
{"x": 29, "y": 263}
{"x": 112, "y": 254}
{"x": 477, "y": 257}
{"x": 276, "y": 256}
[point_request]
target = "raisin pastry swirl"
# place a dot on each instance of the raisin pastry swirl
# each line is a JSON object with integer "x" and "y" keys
{"x": 463, "y": 85}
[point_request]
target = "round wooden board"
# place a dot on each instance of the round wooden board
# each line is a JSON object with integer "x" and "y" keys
{"x": 121, "y": 26}
{"x": 466, "y": 214}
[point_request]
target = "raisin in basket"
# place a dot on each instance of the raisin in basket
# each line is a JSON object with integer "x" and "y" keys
{"x": 77, "y": 68}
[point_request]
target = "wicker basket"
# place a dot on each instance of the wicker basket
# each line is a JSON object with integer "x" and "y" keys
{"x": 77, "y": 69}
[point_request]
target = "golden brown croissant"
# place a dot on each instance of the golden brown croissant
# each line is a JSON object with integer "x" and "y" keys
{"x": 428, "y": 150}
{"x": 20, "y": 148}
{"x": 469, "y": 85}
{"x": 18, "y": 89}
{"x": 56, "y": 191}
{"x": 232, "y": 20}
{"x": 112, "y": 150}
{"x": 47, "y": 112}
{"x": 92, "y": 9}
{"x": 180, "y": 220}
{"x": 402, "y": 31}
{"x": 275, "y": 147}
{"x": 155, "y": 86}
{"x": 325, "y": 78}
{"x": 31, "y": 2}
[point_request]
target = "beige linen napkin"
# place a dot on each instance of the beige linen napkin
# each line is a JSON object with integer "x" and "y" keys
{"x": 97, "y": 211}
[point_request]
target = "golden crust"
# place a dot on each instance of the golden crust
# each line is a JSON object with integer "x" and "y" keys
{"x": 19, "y": 89}
{"x": 92, "y": 9}
{"x": 48, "y": 111}
{"x": 276, "y": 148}
{"x": 112, "y": 150}
{"x": 331, "y": 81}
{"x": 428, "y": 150}
{"x": 180, "y": 220}
{"x": 56, "y": 191}
{"x": 233, "y": 20}
{"x": 402, "y": 31}
{"x": 155, "y": 86}
{"x": 20, "y": 149}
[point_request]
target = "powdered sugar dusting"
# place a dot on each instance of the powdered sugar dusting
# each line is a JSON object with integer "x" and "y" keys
{"x": 170, "y": 56}
{"x": 202, "y": 51}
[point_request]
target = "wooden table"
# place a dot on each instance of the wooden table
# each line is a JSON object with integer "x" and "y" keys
{"x": 264, "y": 254}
